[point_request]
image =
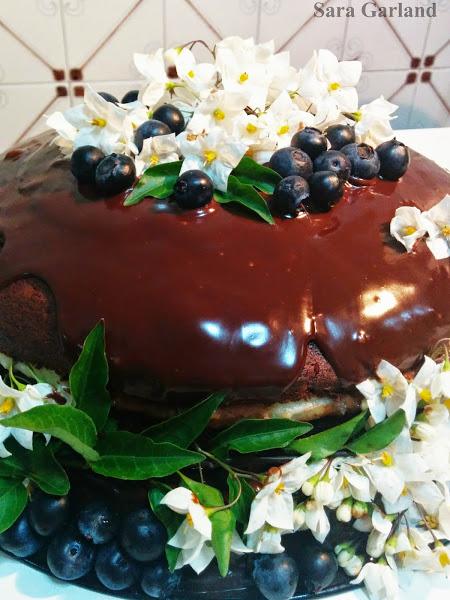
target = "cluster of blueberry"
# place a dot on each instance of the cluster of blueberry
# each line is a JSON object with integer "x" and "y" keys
{"x": 314, "y": 177}
{"x": 115, "y": 173}
{"x": 122, "y": 552}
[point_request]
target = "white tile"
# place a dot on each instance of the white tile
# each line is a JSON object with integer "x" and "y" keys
{"x": 438, "y": 45}
{"x": 103, "y": 34}
{"x": 20, "y": 117}
{"x": 429, "y": 108}
{"x": 38, "y": 25}
{"x": 281, "y": 19}
{"x": 233, "y": 17}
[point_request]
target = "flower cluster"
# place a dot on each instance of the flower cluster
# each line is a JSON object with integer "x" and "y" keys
{"x": 19, "y": 397}
{"x": 248, "y": 100}
{"x": 410, "y": 225}
{"x": 398, "y": 495}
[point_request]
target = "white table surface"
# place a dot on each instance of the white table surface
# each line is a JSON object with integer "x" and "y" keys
{"x": 19, "y": 582}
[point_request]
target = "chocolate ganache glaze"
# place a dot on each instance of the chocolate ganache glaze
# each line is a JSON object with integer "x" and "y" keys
{"x": 214, "y": 297}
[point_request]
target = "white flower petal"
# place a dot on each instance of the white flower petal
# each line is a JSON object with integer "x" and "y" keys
{"x": 179, "y": 500}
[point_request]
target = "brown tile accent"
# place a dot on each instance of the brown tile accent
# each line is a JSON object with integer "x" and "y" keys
{"x": 58, "y": 74}
{"x": 411, "y": 78}
{"x": 415, "y": 62}
{"x": 76, "y": 74}
{"x": 78, "y": 91}
{"x": 429, "y": 60}
{"x": 426, "y": 77}
{"x": 61, "y": 91}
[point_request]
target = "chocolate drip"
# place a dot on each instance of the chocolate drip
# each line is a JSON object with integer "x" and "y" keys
{"x": 214, "y": 298}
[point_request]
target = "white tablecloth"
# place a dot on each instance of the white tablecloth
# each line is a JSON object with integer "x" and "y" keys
{"x": 18, "y": 582}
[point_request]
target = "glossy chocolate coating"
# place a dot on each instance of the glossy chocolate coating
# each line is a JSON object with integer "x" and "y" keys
{"x": 213, "y": 297}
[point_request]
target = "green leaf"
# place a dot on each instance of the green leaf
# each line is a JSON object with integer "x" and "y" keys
{"x": 250, "y": 172}
{"x": 13, "y": 500}
{"x": 207, "y": 495}
{"x": 39, "y": 465}
{"x": 130, "y": 456}
{"x": 379, "y": 436}
{"x": 328, "y": 442}
{"x": 256, "y": 435}
{"x": 247, "y": 196}
{"x": 223, "y": 525}
{"x": 241, "y": 509}
{"x": 156, "y": 182}
{"x": 89, "y": 377}
{"x": 169, "y": 519}
{"x": 68, "y": 424}
{"x": 183, "y": 429}
{"x": 39, "y": 375}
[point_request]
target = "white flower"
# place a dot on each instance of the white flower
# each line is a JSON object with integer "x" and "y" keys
{"x": 407, "y": 226}
{"x": 218, "y": 110}
{"x": 380, "y": 580}
{"x": 215, "y": 153}
{"x": 437, "y": 224}
{"x": 252, "y": 131}
{"x": 377, "y": 539}
{"x": 344, "y": 511}
{"x": 156, "y": 150}
{"x": 353, "y": 478}
{"x": 159, "y": 85}
{"x": 97, "y": 123}
{"x": 283, "y": 77}
{"x": 316, "y": 520}
{"x": 14, "y": 402}
{"x": 330, "y": 85}
{"x": 373, "y": 122}
{"x": 283, "y": 119}
{"x": 67, "y": 133}
{"x": 423, "y": 381}
{"x": 386, "y": 396}
{"x": 266, "y": 540}
{"x": 198, "y": 77}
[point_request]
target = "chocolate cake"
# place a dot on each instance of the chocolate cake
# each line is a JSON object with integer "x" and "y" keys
{"x": 202, "y": 300}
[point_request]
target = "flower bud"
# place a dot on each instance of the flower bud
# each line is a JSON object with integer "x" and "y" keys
{"x": 308, "y": 488}
{"x": 344, "y": 557}
{"x": 364, "y": 524}
{"x": 354, "y": 566}
{"x": 323, "y": 492}
{"x": 436, "y": 414}
{"x": 344, "y": 511}
{"x": 359, "y": 509}
{"x": 424, "y": 432}
{"x": 375, "y": 543}
{"x": 299, "y": 517}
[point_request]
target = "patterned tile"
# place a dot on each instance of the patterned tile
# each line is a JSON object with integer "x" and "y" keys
{"x": 437, "y": 49}
{"x": 431, "y": 107}
{"x": 21, "y": 118}
{"x": 239, "y": 18}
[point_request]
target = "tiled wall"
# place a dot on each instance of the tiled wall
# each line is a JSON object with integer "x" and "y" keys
{"x": 49, "y": 48}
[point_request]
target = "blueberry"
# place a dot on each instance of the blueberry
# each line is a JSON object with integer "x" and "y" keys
{"x": 318, "y": 567}
{"x": 148, "y": 129}
{"x": 291, "y": 161}
{"x": 276, "y": 576}
{"x": 364, "y": 160}
{"x": 130, "y": 96}
{"x": 115, "y": 174}
{"x": 70, "y": 556}
{"x": 193, "y": 189}
{"x": 143, "y": 536}
{"x": 109, "y": 97}
{"x": 98, "y": 522}
{"x": 84, "y": 163}
{"x": 48, "y": 513}
{"x": 20, "y": 539}
{"x": 311, "y": 141}
{"x": 158, "y": 581}
{"x": 288, "y": 195}
{"x": 394, "y": 159}
{"x": 114, "y": 569}
{"x": 325, "y": 189}
{"x": 333, "y": 160}
{"x": 171, "y": 116}
{"x": 340, "y": 135}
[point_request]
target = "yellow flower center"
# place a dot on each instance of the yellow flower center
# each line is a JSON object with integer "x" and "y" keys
{"x": 189, "y": 520}
{"x": 405, "y": 491}
{"x": 431, "y": 521}
{"x": 243, "y": 77}
{"x": 334, "y": 86}
{"x": 446, "y": 230}
{"x": 154, "y": 159}
{"x": 251, "y": 128}
{"x": 170, "y": 86}
{"x": 387, "y": 459}
{"x": 98, "y": 122}
{"x": 191, "y": 74}
{"x": 279, "y": 488}
{"x": 283, "y": 130}
{"x": 409, "y": 230}
{"x": 6, "y": 406}
{"x": 210, "y": 156}
{"x": 387, "y": 390}
{"x": 447, "y": 403}
{"x": 218, "y": 114}
{"x": 191, "y": 137}
{"x": 425, "y": 395}
{"x": 444, "y": 560}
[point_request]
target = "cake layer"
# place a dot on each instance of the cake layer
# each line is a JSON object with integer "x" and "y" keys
{"x": 214, "y": 298}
